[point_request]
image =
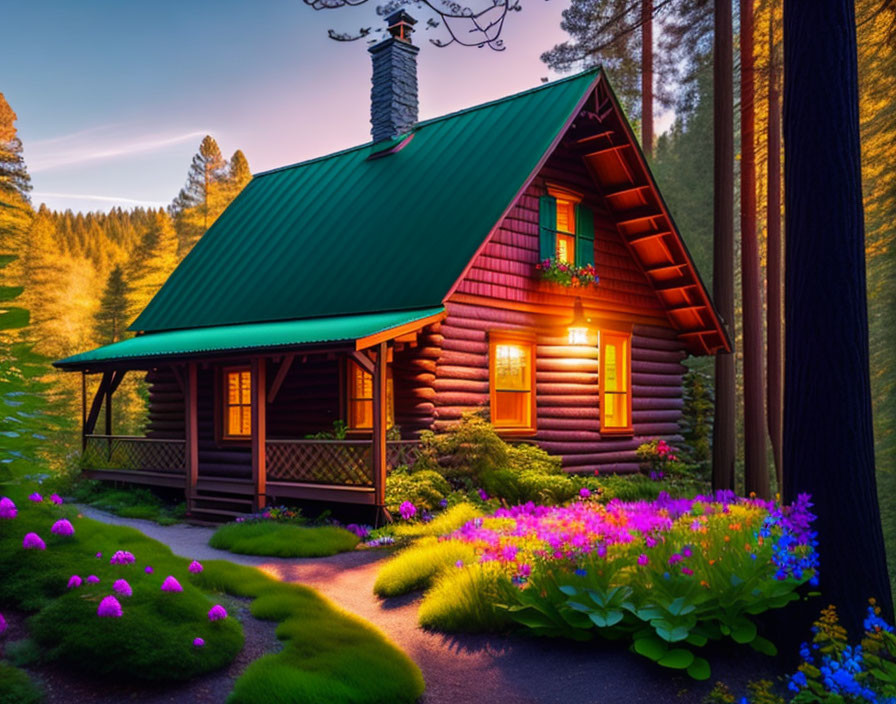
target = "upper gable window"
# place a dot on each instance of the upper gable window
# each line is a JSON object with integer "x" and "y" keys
{"x": 567, "y": 228}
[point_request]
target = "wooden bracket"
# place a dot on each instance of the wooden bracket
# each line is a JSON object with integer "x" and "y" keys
{"x": 282, "y": 371}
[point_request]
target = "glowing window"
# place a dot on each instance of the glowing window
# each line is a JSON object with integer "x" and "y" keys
{"x": 615, "y": 382}
{"x": 566, "y": 231}
{"x": 360, "y": 398}
{"x": 237, "y": 403}
{"x": 511, "y": 372}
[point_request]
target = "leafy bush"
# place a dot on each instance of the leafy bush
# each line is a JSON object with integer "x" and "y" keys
{"x": 668, "y": 576}
{"x": 16, "y": 687}
{"x": 415, "y": 567}
{"x": 447, "y": 522}
{"x": 278, "y": 539}
{"x": 425, "y": 489}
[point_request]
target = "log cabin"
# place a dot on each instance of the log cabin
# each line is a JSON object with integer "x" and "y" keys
{"x": 516, "y": 256}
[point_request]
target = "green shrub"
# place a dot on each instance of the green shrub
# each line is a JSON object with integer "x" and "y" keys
{"x": 276, "y": 539}
{"x": 463, "y": 600}
{"x": 16, "y": 687}
{"x": 134, "y": 502}
{"x": 415, "y": 567}
{"x": 425, "y": 489}
{"x": 443, "y": 524}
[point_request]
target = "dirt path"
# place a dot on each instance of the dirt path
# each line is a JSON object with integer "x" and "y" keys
{"x": 468, "y": 669}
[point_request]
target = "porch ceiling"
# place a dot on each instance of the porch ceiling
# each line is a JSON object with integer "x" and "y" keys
{"x": 355, "y": 329}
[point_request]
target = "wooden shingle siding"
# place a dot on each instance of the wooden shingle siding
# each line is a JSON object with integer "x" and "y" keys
{"x": 166, "y": 405}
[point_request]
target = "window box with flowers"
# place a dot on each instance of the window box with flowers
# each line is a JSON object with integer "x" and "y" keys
{"x": 566, "y": 274}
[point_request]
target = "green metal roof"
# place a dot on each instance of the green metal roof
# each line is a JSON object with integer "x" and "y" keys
{"x": 346, "y": 235}
{"x": 226, "y": 338}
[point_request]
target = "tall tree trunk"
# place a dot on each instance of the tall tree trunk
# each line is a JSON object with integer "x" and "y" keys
{"x": 755, "y": 466}
{"x": 723, "y": 445}
{"x": 773, "y": 269}
{"x": 647, "y": 77}
{"x": 828, "y": 438}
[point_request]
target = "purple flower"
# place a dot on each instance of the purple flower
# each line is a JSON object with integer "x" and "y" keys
{"x": 687, "y": 570}
{"x": 482, "y": 494}
{"x": 171, "y": 585}
{"x": 675, "y": 558}
{"x": 99, "y": 556}
{"x": 121, "y": 557}
{"x": 74, "y": 581}
{"x": 36, "y": 498}
{"x": 643, "y": 559}
{"x": 33, "y": 541}
{"x": 217, "y": 613}
{"x": 148, "y": 569}
{"x": 62, "y": 527}
{"x": 109, "y": 608}
{"x": 459, "y": 564}
{"x": 360, "y": 531}
{"x": 122, "y": 587}
{"x": 194, "y": 568}
{"x": 2, "y": 623}
{"x": 584, "y": 492}
{"x": 56, "y": 499}
{"x": 92, "y": 579}
{"x": 525, "y": 570}
{"x": 407, "y": 510}
{"x": 7, "y": 508}
{"x": 198, "y": 642}
{"x": 686, "y": 551}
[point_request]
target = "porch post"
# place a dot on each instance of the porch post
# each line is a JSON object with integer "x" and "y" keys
{"x": 191, "y": 435}
{"x": 108, "y": 425}
{"x": 259, "y": 431}
{"x": 83, "y": 410}
{"x": 380, "y": 420}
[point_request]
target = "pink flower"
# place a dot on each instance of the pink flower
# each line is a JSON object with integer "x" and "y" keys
{"x": 148, "y": 569}
{"x": 2, "y": 623}
{"x": 109, "y": 608}
{"x": 122, "y": 587}
{"x": 93, "y": 579}
{"x": 121, "y": 557}
{"x": 56, "y": 499}
{"x": 171, "y": 585}
{"x": 584, "y": 492}
{"x": 217, "y": 613}
{"x": 74, "y": 581}
{"x": 99, "y": 556}
{"x": 650, "y": 541}
{"x": 459, "y": 564}
{"x": 675, "y": 557}
{"x": 407, "y": 510}
{"x": 643, "y": 559}
{"x": 198, "y": 642}
{"x": 687, "y": 570}
{"x": 7, "y": 508}
{"x": 33, "y": 541}
{"x": 194, "y": 568}
{"x": 524, "y": 570}
{"x": 36, "y": 498}
{"x": 62, "y": 527}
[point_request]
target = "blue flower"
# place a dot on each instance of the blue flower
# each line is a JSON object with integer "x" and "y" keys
{"x": 581, "y": 573}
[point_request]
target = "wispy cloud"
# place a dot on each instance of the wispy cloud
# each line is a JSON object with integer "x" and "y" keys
{"x": 92, "y": 145}
{"x": 39, "y": 196}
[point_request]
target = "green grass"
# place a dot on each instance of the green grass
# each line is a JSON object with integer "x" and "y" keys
{"x": 16, "y": 687}
{"x": 417, "y": 566}
{"x": 443, "y": 524}
{"x": 128, "y": 503}
{"x": 463, "y": 601}
{"x": 328, "y": 655}
{"x": 273, "y": 539}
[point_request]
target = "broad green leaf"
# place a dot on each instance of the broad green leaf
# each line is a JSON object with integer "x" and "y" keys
{"x": 744, "y": 631}
{"x": 651, "y": 647}
{"x": 699, "y": 669}
{"x": 764, "y": 646}
{"x": 677, "y": 659}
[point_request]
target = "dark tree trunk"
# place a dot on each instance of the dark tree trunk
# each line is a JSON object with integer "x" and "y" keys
{"x": 755, "y": 466}
{"x": 723, "y": 242}
{"x": 647, "y": 77}
{"x": 828, "y": 439}
{"x": 773, "y": 270}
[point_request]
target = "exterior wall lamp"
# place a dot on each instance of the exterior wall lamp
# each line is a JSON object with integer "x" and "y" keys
{"x": 578, "y": 328}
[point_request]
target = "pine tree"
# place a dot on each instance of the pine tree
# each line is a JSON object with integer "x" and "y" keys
{"x": 14, "y": 178}
{"x": 112, "y": 318}
{"x": 153, "y": 260}
{"x": 239, "y": 173}
{"x": 198, "y": 204}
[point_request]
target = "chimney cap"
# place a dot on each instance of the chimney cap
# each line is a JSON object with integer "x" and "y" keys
{"x": 401, "y": 25}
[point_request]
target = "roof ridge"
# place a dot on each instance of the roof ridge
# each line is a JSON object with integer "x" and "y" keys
{"x": 513, "y": 96}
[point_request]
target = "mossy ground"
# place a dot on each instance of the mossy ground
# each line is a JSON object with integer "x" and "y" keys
{"x": 275, "y": 539}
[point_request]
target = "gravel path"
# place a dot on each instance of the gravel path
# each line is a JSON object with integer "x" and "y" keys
{"x": 470, "y": 669}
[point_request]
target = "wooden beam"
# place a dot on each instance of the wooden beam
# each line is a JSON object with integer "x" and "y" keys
{"x": 191, "y": 434}
{"x": 259, "y": 431}
{"x": 282, "y": 371}
{"x": 682, "y": 309}
{"x": 362, "y": 360}
{"x": 398, "y": 331}
{"x": 179, "y": 378}
{"x": 380, "y": 420}
{"x": 83, "y": 410}
{"x": 674, "y": 287}
{"x": 625, "y": 191}
{"x": 647, "y": 236}
{"x": 664, "y": 267}
{"x": 638, "y": 217}
{"x": 589, "y": 138}
{"x": 607, "y": 150}
{"x": 94, "y": 414}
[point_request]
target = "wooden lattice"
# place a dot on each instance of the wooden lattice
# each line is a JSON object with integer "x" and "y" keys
{"x": 147, "y": 454}
{"x": 339, "y": 462}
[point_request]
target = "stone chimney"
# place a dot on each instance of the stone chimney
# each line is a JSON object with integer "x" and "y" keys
{"x": 393, "y": 97}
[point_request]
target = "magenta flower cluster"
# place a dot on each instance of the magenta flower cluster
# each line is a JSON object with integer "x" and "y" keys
{"x": 63, "y": 527}
{"x": 194, "y": 568}
{"x": 407, "y": 510}
{"x": 121, "y": 557}
{"x": 217, "y": 613}
{"x": 8, "y": 509}
{"x": 32, "y": 541}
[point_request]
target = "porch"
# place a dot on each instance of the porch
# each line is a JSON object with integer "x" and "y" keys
{"x": 237, "y": 428}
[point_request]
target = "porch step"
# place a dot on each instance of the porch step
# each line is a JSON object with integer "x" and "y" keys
{"x": 217, "y": 507}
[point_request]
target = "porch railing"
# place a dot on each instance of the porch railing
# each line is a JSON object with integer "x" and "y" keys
{"x": 133, "y": 452}
{"x": 339, "y": 462}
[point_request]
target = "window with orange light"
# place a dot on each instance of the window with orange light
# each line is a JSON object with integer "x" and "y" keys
{"x": 615, "y": 382}
{"x": 566, "y": 231}
{"x": 237, "y": 412}
{"x": 360, "y": 398}
{"x": 511, "y": 377}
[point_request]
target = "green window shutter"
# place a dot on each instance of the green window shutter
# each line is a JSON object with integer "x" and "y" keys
{"x": 547, "y": 222}
{"x": 584, "y": 235}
